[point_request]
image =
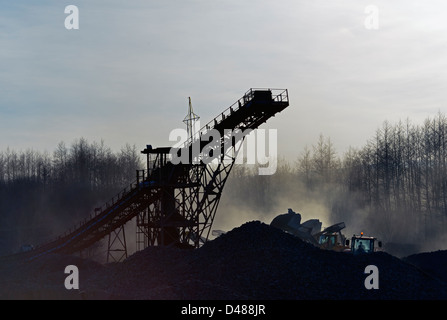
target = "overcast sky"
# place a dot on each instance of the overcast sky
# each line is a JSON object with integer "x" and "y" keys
{"x": 125, "y": 76}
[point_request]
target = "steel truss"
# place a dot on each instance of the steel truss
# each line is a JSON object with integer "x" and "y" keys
{"x": 174, "y": 203}
{"x": 184, "y": 215}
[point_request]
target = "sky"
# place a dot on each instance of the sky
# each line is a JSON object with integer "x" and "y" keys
{"x": 126, "y": 74}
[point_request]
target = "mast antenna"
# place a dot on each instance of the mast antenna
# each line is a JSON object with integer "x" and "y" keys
{"x": 190, "y": 120}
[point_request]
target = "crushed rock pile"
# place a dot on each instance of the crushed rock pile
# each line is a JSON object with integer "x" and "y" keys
{"x": 434, "y": 263}
{"x": 253, "y": 261}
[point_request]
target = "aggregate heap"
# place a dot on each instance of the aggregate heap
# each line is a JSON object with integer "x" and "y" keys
{"x": 252, "y": 261}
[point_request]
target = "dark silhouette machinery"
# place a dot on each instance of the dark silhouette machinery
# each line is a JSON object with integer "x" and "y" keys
{"x": 330, "y": 238}
{"x": 363, "y": 244}
{"x": 174, "y": 202}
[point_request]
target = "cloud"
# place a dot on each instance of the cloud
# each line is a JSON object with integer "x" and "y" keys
{"x": 127, "y": 72}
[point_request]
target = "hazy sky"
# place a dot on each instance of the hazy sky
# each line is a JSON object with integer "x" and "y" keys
{"x": 127, "y": 73}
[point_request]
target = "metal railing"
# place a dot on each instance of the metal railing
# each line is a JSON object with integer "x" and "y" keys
{"x": 278, "y": 95}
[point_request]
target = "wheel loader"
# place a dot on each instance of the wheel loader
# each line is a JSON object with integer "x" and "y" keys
{"x": 331, "y": 238}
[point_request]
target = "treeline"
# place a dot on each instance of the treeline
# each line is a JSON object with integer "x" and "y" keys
{"x": 402, "y": 176}
{"x": 394, "y": 187}
{"x": 42, "y": 194}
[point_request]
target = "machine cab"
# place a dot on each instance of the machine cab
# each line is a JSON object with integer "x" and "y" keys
{"x": 363, "y": 244}
{"x": 328, "y": 240}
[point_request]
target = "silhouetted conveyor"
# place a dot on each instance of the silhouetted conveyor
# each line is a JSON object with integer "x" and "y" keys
{"x": 109, "y": 219}
{"x": 249, "y": 112}
{"x": 172, "y": 216}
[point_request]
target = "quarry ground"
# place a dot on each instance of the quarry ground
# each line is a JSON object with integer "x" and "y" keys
{"x": 252, "y": 262}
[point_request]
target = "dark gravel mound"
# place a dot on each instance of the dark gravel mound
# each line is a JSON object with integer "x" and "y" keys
{"x": 434, "y": 263}
{"x": 253, "y": 261}
{"x": 44, "y": 278}
{"x": 261, "y": 262}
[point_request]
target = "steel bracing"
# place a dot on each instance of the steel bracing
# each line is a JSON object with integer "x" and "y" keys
{"x": 175, "y": 199}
